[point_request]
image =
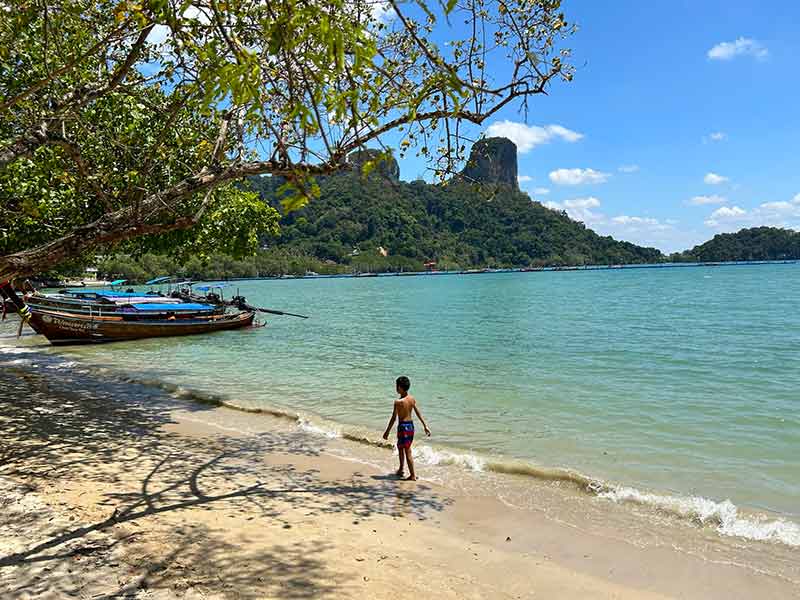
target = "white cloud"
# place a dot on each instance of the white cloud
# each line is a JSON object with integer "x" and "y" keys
{"x": 742, "y": 46}
{"x": 524, "y": 178}
{"x": 779, "y": 207}
{"x": 714, "y": 179}
{"x": 578, "y": 176}
{"x": 382, "y": 12}
{"x": 527, "y": 137}
{"x": 645, "y": 231}
{"x": 717, "y": 136}
{"x": 626, "y": 220}
{"x": 581, "y": 203}
{"x": 541, "y": 191}
{"x": 565, "y": 134}
{"x": 579, "y": 209}
{"x": 628, "y": 168}
{"x": 784, "y": 213}
{"x": 159, "y": 34}
{"x": 703, "y": 200}
{"x": 728, "y": 212}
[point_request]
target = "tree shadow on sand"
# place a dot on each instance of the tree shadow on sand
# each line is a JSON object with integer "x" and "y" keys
{"x": 78, "y": 427}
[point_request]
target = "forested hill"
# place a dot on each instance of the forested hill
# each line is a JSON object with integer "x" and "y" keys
{"x": 757, "y": 243}
{"x": 479, "y": 219}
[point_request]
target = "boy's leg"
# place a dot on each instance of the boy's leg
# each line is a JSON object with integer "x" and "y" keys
{"x": 401, "y": 451}
{"x": 412, "y": 476}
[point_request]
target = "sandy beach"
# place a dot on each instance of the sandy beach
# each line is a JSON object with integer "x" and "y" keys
{"x": 116, "y": 489}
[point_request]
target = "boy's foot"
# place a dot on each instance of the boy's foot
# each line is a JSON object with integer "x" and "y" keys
{"x": 411, "y": 478}
{"x": 399, "y": 472}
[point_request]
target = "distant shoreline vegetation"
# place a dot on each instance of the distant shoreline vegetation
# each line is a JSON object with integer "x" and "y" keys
{"x": 720, "y": 251}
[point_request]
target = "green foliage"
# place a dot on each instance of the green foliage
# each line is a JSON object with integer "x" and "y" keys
{"x": 458, "y": 225}
{"x": 757, "y": 243}
{"x": 128, "y": 118}
{"x": 217, "y": 266}
{"x": 233, "y": 225}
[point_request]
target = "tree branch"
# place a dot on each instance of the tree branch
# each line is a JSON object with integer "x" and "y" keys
{"x": 121, "y": 225}
{"x": 74, "y": 152}
{"x": 25, "y": 144}
{"x": 42, "y": 83}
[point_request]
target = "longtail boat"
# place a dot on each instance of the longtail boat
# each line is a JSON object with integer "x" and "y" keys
{"x": 69, "y": 328}
{"x": 104, "y": 302}
{"x": 88, "y": 320}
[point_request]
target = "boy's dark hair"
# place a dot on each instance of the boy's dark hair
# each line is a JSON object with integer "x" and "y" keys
{"x": 403, "y": 383}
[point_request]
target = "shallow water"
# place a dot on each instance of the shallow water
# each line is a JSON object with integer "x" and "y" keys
{"x": 675, "y": 387}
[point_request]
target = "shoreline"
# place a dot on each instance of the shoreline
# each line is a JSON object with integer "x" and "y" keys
{"x": 725, "y": 517}
{"x": 486, "y": 271}
{"x": 737, "y": 521}
{"x": 97, "y": 446}
{"x": 489, "y": 271}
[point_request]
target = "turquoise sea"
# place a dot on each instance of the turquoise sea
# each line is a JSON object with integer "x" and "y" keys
{"x": 674, "y": 387}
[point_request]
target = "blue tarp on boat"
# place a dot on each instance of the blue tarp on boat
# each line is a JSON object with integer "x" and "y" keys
{"x": 179, "y": 307}
{"x": 206, "y": 287}
{"x": 158, "y": 280}
{"x": 101, "y": 293}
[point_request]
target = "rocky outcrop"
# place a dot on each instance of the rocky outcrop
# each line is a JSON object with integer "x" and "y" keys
{"x": 492, "y": 161}
{"x": 386, "y": 167}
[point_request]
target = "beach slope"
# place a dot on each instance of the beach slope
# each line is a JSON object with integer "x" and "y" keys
{"x": 112, "y": 489}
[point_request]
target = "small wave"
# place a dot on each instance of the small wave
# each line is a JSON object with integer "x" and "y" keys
{"x": 315, "y": 429}
{"x": 583, "y": 482}
{"x": 17, "y": 362}
{"x": 472, "y": 462}
{"x": 428, "y": 455}
{"x": 703, "y": 511}
{"x": 70, "y": 364}
{"x": 366, "y": 440}
{"x": 15, "y": 350}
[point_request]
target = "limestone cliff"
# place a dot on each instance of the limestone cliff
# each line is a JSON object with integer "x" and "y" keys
{"x": 387, "y": 167}
{"x": 492, "y": 161}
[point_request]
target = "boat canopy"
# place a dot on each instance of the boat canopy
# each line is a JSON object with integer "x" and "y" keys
{"x": 144, "y": 300}
{"x": 118, "y": 281}
{"x": 211, "y": 286}
{"x": 159, "y": 280}
{"x": 82, "y": 293}
{"x": 102, "y": 294}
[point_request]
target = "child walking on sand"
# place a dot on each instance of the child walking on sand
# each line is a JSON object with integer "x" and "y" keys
{"x": 405, "y": 426}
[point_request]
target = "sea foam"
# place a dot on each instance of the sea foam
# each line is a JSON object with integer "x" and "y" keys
{"x": 723, "y": 515}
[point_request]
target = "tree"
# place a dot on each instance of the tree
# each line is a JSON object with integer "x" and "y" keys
{"x": 130, "y": 120}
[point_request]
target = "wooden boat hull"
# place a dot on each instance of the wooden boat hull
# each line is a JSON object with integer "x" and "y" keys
{"x": 66, "y": 328}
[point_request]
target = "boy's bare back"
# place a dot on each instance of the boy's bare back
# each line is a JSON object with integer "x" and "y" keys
{"x": 405, "y": 407}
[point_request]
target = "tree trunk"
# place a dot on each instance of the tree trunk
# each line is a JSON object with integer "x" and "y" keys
{"x": 121, "y": 225}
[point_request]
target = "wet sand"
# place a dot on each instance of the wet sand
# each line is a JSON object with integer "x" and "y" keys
{"x": 110, "y": 489}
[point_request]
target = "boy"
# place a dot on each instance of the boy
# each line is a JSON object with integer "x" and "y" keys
{"x": 405, "y": 426}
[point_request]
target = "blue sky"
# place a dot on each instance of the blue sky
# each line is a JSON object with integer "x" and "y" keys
{"x": 681, "y": 121}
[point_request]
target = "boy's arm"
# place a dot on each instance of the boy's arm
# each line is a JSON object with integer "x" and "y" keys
{"x": 424, "y": 424}
{"x": 391, "y": 422}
